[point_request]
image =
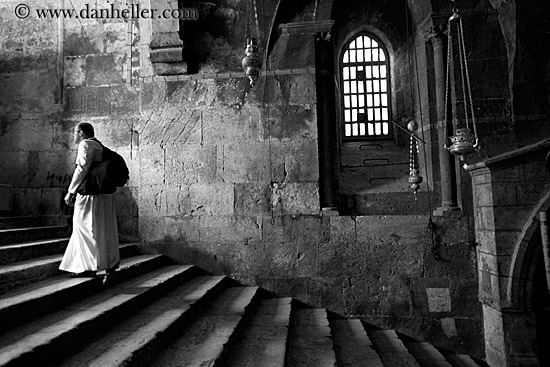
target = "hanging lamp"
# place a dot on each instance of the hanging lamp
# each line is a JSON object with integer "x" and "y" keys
{"x": 252, "y": 62}
{"x": 465, "y": 139}
{"x": 415, "y": 179}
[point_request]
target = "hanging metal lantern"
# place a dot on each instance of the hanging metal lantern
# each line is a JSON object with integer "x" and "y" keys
{"x": 415, "y": 179}
{"x": 465, "y": 141}
{"x": 252, "y": 62}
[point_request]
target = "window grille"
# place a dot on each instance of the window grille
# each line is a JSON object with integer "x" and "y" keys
{"x": 365, "y": 90}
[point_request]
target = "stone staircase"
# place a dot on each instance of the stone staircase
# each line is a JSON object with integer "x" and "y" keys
{"x": 155, "y": 313}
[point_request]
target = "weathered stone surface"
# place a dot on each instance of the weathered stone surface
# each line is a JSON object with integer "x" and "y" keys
{"x": 190, "y": 164}
{"x": 170, "y": 68}
{"x": 296, "y": 198}
{"x": 166, "y": 55}
{"x": 212, "y": 199}
{"x": 252, "y": 199}
{"x": 75, "y": 72}
{"x": 151, "y": 165}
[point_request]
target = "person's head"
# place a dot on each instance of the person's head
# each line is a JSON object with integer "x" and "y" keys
{"x": 83, "y": 130}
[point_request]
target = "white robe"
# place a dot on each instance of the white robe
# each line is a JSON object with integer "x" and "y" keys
{"x": 94, "y": 242}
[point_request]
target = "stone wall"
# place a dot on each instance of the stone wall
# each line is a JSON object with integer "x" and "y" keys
{"x": 55, "y": 74}
{"x": 510, "y": 190}
{"x": 227, "y": 176}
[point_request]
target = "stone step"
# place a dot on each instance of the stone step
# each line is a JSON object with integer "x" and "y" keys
{"x": 390, "y": 349}
{"x": 45, "y": 340}
{"x": 310, "y": 340}
{"x": 25, "y": 221}
{"x": 37, "y": 299}
{"x": 263, "y": 343}
{"x": 210, "y": 338}
{"x": 426, "y": 354}
{"x": 18, "y": 235}
{"x": 463, "y": 360}
{"x": 20, "y": 221}
{"x": 20, "y": 273}
{"x": 137, "y": 339}
{"x": 31, "y": 249}
{"x": 388, "y": 203}
{"x": 352, "y": 345}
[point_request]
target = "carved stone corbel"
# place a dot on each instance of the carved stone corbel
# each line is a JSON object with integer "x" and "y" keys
{"x": 166, "y": 46}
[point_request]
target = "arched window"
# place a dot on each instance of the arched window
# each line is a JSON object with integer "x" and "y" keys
{"x": 365, "y": 91}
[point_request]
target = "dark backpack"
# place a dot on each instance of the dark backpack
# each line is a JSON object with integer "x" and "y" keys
{"x": 105, "y": 176}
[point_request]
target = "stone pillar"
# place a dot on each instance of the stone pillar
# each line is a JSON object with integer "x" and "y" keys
{"x": 325, "y": 118}
{"x": 437, "y": 38}
{"x": 166, "y": 46}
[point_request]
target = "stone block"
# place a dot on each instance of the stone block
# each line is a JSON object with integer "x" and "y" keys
{"x": 128, "y": 229}
{"x": 481, "y": 177}
{"x": 50, "y": 168}
{"x": 97, "y": 100}
{"x": 229, "y": 229}
{"x": 334, "y": 261}
{"x": 302, "y": 162}
{"x": 276, "y": 261}
{"x": 304, "y": 228}
{"x": 272, "y": 229}
{"x": 31, "y": 92}
{"x": 190, "y": 164}
{"x": 327, "y": 290}
{"x": 307, "y": 258}
{"x": 115, "y": 38}
{"x": 165, "y": 34}
{"x": 494, "y": 336}
{"x": 104, "y": 70}
{"x": 126, "y": 199}
{"x": 439, "y": 299}
{"x": 483, "y": 195}
{"x": 286, "y": 286}
{"x": 296, "y": 198}
{"x": 172, "y": 126}
{"x": 152, "y": 229}
{"x": 507, "y": 241}
{"x": 301, "y": 89}
{"x": 151, "y": 165}
{"x": 362, "y": 296}
{"x": 487, "y": 241}
{"x": 225, "y": 125}
{"x": 511, "y": 217}
{"x": 170, "y": 68}
{"x": 484, "y": 218}
{"x": 509, "y": 174}
{"x": 182, "y": 228}
{"x": 230, "y": 259}
{"x": 505, "y": 194}
{"x": 152, "y": 201}
{"x": 488, "y": 263}
{"x": 212, "y": 199}
{"x": 178, "y": 201}
{"x": 535, "y": 171}
{"x": 51, "y": 201}
{"x": 245, "y": 165}
{"x": 167, "y": 55}
{"x": 342, "y": 229}
{"x": 74, "y": 72}
{"x": 529, "y": 193}
{"x": 504, "y": 263}
{"x": 252, "y": 199}
{"x": 14, "y": 168}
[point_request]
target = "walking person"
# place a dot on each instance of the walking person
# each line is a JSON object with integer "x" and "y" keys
{"x": 93, "y": 246}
